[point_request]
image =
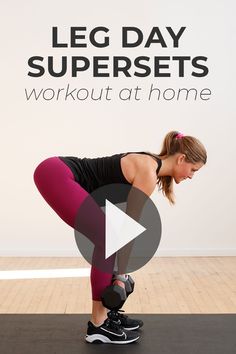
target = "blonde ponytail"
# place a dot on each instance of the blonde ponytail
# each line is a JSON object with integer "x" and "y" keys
{"x": 173, "y": 143}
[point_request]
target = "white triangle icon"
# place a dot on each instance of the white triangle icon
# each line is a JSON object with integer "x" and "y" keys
{"x": 120, "y": 229}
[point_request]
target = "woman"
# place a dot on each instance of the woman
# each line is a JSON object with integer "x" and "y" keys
{"x": 65, "y": 182}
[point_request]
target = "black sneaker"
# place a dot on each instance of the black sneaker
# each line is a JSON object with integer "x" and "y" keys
{"x": 110, "y": 332}
{"x": 127, "y": 323}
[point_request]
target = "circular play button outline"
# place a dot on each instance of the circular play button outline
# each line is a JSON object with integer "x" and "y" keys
{"x": 127, "y": 205}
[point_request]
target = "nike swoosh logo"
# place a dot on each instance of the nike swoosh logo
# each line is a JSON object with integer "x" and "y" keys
{"x": 115, "y": 334}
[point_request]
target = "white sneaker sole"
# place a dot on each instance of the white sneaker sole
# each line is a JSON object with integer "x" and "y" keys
{"x": 99, "y": 338}
{"x": 131, "y": 329}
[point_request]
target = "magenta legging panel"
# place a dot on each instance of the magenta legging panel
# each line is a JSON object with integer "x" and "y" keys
{"x": 56, "y": 183}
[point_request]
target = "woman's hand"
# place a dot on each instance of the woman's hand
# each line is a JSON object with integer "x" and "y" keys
{"x": 119, "y": 283}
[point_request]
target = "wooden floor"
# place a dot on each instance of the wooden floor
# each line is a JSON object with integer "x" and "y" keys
{"x": 165, "y": 285}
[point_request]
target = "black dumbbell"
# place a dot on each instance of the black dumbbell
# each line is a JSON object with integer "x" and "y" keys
{"x": 114, "y": 296}
{"x": 129, "y": 285}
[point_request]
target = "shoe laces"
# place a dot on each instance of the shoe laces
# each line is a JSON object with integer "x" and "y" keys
{"x": 117, "y": 315}
{"x": 121, "y": 315}
{"x": 112, "y": 324}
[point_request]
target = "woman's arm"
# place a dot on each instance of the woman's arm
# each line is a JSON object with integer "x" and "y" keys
{"x": 144, "y": 184}
{"x": 144, "y": 181}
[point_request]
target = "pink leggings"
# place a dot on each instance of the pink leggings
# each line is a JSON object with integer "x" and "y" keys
{"x": 56, "y": 183}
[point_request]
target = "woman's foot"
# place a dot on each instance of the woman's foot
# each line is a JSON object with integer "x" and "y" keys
{"x": 110, "y": 331}
{"x": 129, "y": 324}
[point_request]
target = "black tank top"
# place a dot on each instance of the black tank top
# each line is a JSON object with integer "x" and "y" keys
{"x": 92, "y": 173}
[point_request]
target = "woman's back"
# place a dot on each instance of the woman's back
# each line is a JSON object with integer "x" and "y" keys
{"x": 92, "y": 173}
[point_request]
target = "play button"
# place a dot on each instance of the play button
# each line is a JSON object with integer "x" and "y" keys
{"x": 120, "y": 229}
{"x": 117, "y": 228}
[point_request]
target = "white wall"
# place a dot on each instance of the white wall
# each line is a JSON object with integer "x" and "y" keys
{"x": 203, "y": 220}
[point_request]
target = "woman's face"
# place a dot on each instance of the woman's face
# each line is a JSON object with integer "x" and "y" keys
{"x": 184, "y": 170}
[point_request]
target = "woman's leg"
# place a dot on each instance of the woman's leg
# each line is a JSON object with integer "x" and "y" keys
{"x": 57, "y": 185}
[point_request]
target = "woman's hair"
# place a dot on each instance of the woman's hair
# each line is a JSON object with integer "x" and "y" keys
{"x": 173, "y": 143}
